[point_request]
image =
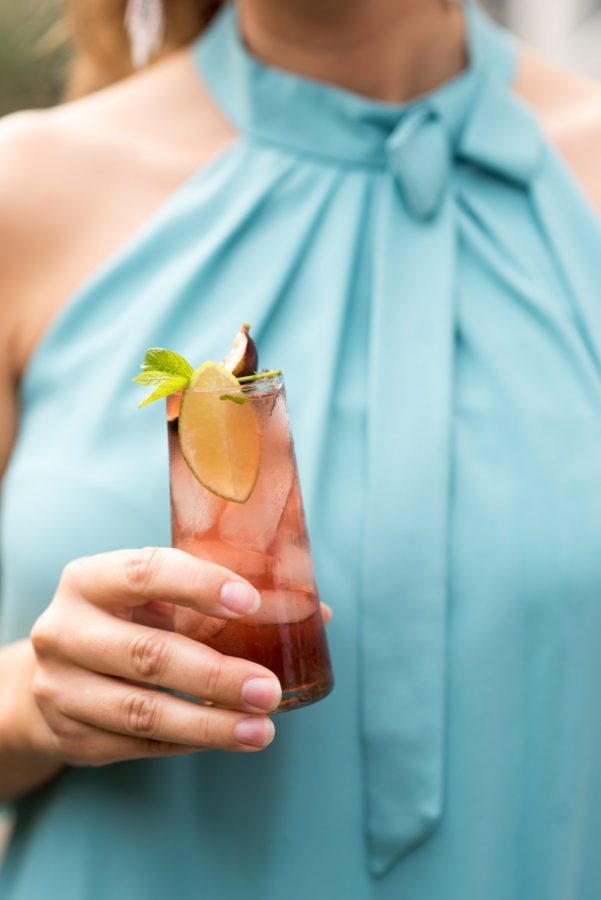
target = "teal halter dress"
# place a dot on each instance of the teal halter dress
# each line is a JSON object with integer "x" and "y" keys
{"x": 427, "y": 276}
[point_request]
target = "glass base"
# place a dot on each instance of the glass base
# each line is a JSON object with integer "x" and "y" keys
{"x": 294, "y": 699}
{"x": 304, "y": 696}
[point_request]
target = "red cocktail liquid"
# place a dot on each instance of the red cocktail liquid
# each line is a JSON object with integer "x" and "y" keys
{"x": 264, "y": 540}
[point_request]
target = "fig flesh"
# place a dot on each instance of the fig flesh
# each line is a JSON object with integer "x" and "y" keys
{"x": 243, "y": 358}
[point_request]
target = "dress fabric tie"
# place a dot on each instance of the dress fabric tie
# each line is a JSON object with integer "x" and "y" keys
{"x": 422, "y": 147}
{"x": 406, "y": 525}
{"x": 419, "y": 155}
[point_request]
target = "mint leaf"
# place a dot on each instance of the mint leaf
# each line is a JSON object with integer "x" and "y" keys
{"x": 168, "y": 385}
{"x": 236, "y": 398}
{"x": 153, "y": 376}
{"x": 167, "y": 369}
{"x": 168, "y": 362}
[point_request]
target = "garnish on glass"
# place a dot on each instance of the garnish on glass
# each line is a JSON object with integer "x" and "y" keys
{"x": 220, "y": 442}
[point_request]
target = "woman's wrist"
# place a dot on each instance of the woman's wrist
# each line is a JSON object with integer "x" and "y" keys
{"x": 27, "y": 756}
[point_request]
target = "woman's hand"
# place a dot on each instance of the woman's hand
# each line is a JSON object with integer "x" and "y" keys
{"x": 92, "y": 662}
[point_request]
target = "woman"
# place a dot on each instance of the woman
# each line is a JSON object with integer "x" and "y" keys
{"x": 424, "y": 270}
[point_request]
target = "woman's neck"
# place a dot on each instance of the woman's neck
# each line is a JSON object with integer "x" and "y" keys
{"x": 390, "y": 50}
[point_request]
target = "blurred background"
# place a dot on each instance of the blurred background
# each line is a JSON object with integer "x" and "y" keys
{"x": 34, "y": 55}
{"x": 568, "y": 31}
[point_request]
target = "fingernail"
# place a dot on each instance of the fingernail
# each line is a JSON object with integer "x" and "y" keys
{"x": 264, "y": 693}
{"x": 254, "y": 732}
{"x": 239, "y": 597}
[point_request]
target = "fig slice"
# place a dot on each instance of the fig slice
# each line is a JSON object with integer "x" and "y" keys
{"x": 243, "y": 358}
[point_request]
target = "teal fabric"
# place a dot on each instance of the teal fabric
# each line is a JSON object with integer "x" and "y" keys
{"x": 426, "y": 275}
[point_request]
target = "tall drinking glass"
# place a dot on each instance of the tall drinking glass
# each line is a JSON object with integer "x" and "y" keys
{"x": 264, "y": 540}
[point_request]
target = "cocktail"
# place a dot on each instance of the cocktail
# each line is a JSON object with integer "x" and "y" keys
{"x": 236, "y": 501}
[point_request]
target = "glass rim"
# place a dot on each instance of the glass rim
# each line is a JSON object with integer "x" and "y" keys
{"x": 270, "y": 381}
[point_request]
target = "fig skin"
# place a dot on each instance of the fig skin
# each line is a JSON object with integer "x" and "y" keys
{"x": 243, "y": 358}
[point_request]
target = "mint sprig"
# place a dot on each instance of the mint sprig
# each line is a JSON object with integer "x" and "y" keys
{"x": 167, "y": 361}
{"x": 170, "y": 371}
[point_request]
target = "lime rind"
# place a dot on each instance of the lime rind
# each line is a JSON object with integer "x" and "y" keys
{"x": 225, "y": 423}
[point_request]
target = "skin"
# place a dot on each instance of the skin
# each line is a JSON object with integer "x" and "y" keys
{"x": 71, "y": 695}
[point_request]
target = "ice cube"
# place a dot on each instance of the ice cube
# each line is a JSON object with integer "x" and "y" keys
{"x": 195, "y": 625}
{"x": 293, "y": 528}
{"x": 285, "y": 607}
{"x": 194, "y": 509}
{"x": 254, "y": 524}
{"x": 247, "y": 563}
{"x": 293, "y": 567}
{"x": 263, "y": 404}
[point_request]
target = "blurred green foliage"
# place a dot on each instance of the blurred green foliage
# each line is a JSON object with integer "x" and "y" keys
{"x": 33, "y": 54}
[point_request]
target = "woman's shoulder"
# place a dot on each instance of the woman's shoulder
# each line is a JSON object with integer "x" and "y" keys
{"x": 159, "y": 124}
{"x": 568, "y": 107}
{"x": 78, "y": 180}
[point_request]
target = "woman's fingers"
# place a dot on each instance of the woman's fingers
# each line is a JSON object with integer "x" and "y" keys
{"x": 78, "y": 744}
{"x": 125, "y": 579}
{"x": 141, "y": 714}
{"x": 138, "y": 653}
{"x": 95, "y": 665}
{"x": 326, "y": 613}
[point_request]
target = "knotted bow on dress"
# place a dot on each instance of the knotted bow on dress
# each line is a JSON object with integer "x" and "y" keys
{"x": 474, "y": 121}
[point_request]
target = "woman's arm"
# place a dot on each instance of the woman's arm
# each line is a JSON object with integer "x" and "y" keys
{"x": 22, "y": 729}
{"x": 21, "y": 769}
